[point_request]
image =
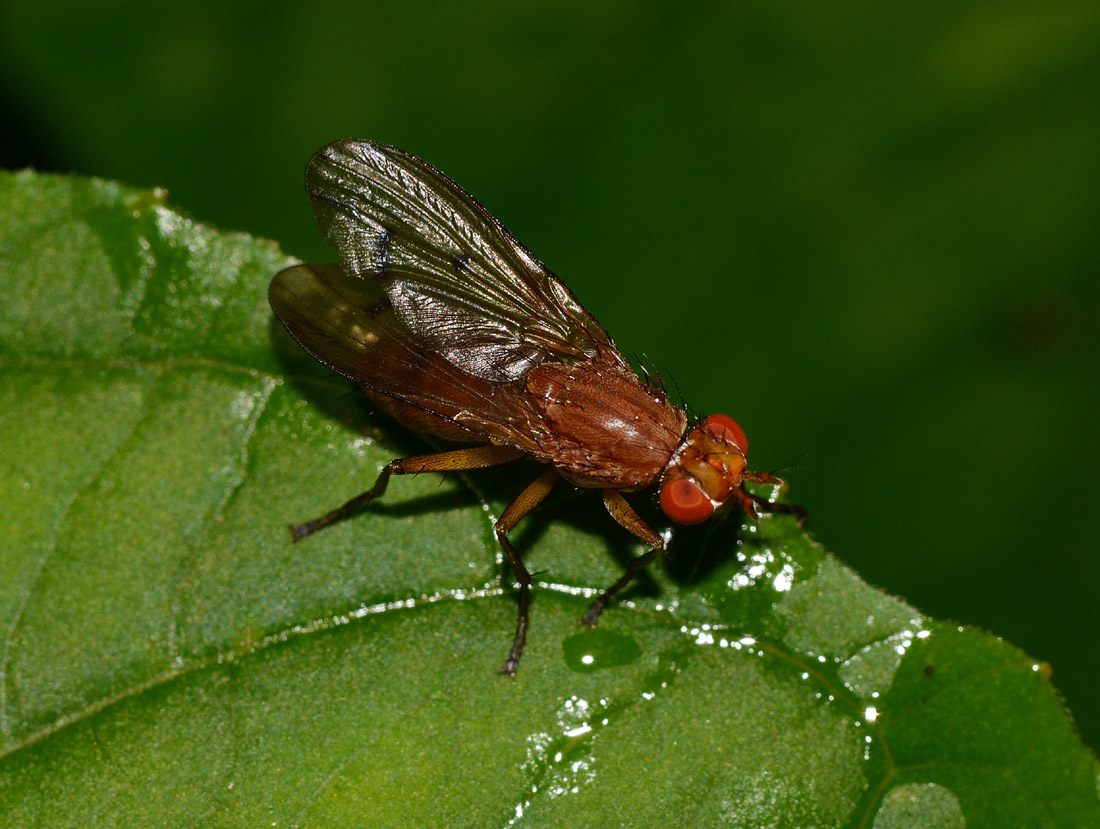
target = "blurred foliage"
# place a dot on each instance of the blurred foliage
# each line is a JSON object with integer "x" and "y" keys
{"x": 867, "y": 233}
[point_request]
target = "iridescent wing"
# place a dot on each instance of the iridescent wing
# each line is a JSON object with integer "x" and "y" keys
{"x": 458, "y": 282}
{"x": 349, "y": 325}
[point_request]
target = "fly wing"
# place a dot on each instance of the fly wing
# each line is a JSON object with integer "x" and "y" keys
{"x": 456, "y": 279}
{"x": 348, "y": 324}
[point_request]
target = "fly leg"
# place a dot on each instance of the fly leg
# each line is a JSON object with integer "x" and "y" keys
{"x": 526, "y": 501}
{"x": 750, "y": 502}
{"x": 629, "y": 520}
{"x": 457, "y": 460}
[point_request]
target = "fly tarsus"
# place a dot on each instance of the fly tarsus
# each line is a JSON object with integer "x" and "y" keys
{"x": 780, "y": 506}
{"x": 633, "y": 569}
{"x": 531, "y": 497}
{"x": 456, "y": 460}
{"x": 300, "y": 531}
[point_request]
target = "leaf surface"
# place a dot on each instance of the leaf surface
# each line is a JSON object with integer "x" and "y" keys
{"x": 170, "y": 657}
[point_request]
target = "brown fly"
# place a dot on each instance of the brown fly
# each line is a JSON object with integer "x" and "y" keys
{"x": 452, "y": 327}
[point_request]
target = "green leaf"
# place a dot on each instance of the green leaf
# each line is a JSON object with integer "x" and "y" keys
{"x": 169, "y": 657}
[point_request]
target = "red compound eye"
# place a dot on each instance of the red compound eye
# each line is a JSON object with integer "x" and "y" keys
{"x": 683, "y": 501}
{"x": 726, "y": 427}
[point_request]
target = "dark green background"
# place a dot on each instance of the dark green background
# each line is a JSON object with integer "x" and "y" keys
{"x": 867, "y": 231}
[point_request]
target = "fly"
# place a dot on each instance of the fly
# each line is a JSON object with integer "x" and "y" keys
{"x": 451, "y": 326}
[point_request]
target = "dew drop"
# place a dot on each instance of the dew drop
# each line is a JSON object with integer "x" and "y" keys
{"x": 596, "y": 650}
